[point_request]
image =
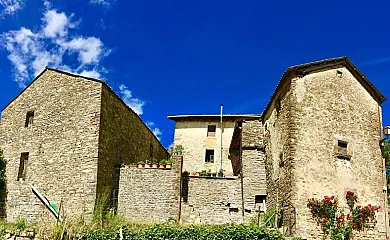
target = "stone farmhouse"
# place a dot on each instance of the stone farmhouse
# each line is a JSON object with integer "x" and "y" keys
{"x": 319, "y": 135}
{"x": 68, "y": 135}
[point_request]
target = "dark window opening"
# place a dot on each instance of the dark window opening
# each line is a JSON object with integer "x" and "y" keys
{"x": 23, "y": 166}
{"x": 211, "y": 129}
{"x": 278, "y": 106}
{"x": 209, "y": 156}
{"x": 339, "y": 73}
{"x": 151, "y": 150}
{"x": 342, "y": 150}
{"x": 184, "y": 189}
{"x": 29, "y": 118}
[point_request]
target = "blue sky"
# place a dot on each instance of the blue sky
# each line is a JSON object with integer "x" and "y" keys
{"x": 169, "y": 57}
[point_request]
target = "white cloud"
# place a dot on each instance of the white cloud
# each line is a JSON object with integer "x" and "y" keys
{"x": 134, "y": 103}
{"x": 104, "y": 3}
{"x": 30, "y": 51}
{"x": 156, "y": 131}
{"x": 10, "y": 7}
{"x": 56, "y": 24}
{"x": 88, "y": 49}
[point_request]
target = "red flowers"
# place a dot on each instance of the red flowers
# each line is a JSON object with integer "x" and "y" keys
{"x": 333, "y": 221}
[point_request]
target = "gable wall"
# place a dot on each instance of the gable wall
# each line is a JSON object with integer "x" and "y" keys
{"x": 62, "y": 145}
{"x": 331, "y": 108}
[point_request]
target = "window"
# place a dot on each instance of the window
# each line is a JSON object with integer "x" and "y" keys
{"x": 211, "y": 130}
{"x": 23, "y": 166}
{"x": 343, "y": 149}
{"x": 29, "y": 118}
{"x": 209, "y": 156}
{"x": 151, "y": 150}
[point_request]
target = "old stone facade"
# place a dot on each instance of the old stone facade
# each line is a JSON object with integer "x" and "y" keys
{"x": 200, "y": 136}
{"x": 67, "y": 135}
{"x": 322, "y": 129}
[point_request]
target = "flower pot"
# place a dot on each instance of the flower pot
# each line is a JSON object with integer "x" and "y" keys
{"x": 168, "y": 166}
{"x": 133, "y": 166}
{"x": 140, "y": 165}
{"x": 220, "y": 174}
{"x": 147, "y": 165}
{"x": 214, "y": 174}
{"x": 197, "y": 174}
{"x": 154, "y": 165}
{"x": 161, "y": 166}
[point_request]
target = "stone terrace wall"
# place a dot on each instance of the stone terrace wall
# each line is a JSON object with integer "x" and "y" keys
{"x": 212, "y": 201}
{"x": 62, "y": 143}
{"x": 150, "y": 195}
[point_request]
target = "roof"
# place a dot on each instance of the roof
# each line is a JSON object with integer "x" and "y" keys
{"x": 59, "y": 71}
{"x": 198, "y": 117}
{"x": 307, "y": 68}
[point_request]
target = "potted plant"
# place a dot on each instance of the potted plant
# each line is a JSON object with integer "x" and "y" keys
{"x": 140, "y": 164}
{"x": 197, "y": 174}
{"x": 178, "y": 150}
{"x": 214, "y": 174}
{"x": 208, "y": 174}
{"x": 220, "y": 173}
{"x": 132, "y": 165}
{"x": 168, "y": 163}
{"x": 186, "y": 173}
{"x": 162, "y": 163}
{"x": 147, "y": 163}
{"x": 154, "y": 163}
{"x": 203, "y": 173}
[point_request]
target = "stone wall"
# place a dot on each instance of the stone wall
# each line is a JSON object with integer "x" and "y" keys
{"x": 192, "y": 135}
{"x": 150, "y": 195}
{"x": 279, "y": 154}
{"x": 124, "y": 138}
{"x": 62, "y": 143}
{"x": 307, "y": 118}
{"x": 332, "y": 106}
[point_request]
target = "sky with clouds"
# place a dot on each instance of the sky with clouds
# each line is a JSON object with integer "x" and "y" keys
{"x": 166, "y": 57}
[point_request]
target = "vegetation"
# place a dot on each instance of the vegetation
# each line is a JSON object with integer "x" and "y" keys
{"x": 334, "y": 222}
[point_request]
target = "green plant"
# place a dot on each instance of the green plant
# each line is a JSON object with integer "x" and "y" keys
{"x": 334, "y": 222}
{"x": 203, "y": 173}
{"x": 163, "y": 161}
{"x": 169, "y": 161}
{"x": 148, "y": 161}
{"x": 208, "y": 173}
{"x": 20, "y": 223}
{"x": 178, "y": 148}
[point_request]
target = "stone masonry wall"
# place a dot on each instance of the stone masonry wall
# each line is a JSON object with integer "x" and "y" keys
{"x": 212, "y": 201}
{"x": 192, "y": 135}
{"x": 331, "y": 108}
{"x": 253, "y": 163}
{"x": 279, "y": 152}
{"x": 124, "y": 138}
{"x": 150, "y": 195}
{"x": 62, "y": 144}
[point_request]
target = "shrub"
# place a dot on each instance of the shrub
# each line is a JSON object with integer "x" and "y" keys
{"x": 334, "y": 222}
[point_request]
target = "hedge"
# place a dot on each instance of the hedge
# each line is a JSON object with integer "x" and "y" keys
{"x": 191, "y": 232}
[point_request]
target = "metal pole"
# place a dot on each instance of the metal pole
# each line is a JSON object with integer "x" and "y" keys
{"x": 220, "y": 154}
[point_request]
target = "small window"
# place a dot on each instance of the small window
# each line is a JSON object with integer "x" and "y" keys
{"x": 29, "y": 118}
{"x": 23, "y": 166}
{"x": 209, "y": 156}
{"x": 342, "y": 149}
{"x": 151, "y": 150}
{"x": 211, "y": 130}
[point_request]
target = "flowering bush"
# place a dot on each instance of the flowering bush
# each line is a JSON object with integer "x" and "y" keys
{"x": 334, "y": 222}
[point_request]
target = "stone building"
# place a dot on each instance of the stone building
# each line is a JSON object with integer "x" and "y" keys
{"x": 68, "y": 135}
{"x": 318, "y": 136}
{"x": 200, "y": 136}
{"x": 321, "y": 133}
